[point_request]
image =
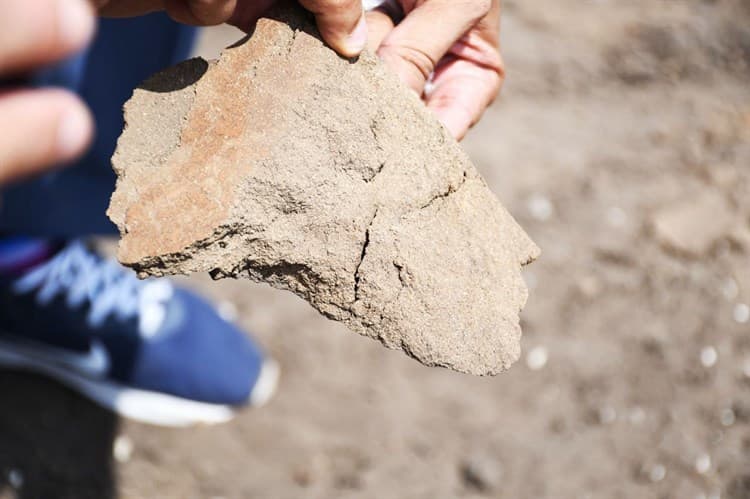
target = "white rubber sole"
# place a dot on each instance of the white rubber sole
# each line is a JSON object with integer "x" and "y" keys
{"x": 142, "y": 405}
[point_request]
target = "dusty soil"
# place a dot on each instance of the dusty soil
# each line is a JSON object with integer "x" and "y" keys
{"x": 636, "y": 373}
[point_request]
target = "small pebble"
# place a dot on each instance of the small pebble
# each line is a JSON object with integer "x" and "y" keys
{"x": 657, "y": 473}
{"x": 227, "y": 310}
{"x": 607, "y": 415}
{"x": 728, "y": 417}
{"x": 709, "y": 356}
{"x": 537, "y": 358}
{"x": 741, "y": 313}
{"x": 482, "y": 473}
{"x": 703, "y": 463}
{"x": 540, "y": 207}
{"x": 616, "y": 216}
{"x": 729, "y": 288}
{"x": 15, "y": 478}
{"x": 746, "y": 367}
{"x": 637, "y": 416}
{"x": 122, "y": 450}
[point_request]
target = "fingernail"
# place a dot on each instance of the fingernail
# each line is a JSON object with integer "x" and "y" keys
{"x": 357, "y": 40}
{"x": 76, "y": 21}
{"x": 456, "y": 120}
{"x": 74, "y": 133}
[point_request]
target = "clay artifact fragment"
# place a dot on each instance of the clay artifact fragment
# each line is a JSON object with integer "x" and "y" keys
{"x": 284, "y": 163}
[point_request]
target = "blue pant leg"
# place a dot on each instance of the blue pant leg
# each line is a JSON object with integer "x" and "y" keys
{"x": 72, "y": 202}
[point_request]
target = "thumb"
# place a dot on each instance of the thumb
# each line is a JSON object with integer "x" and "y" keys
{"x": 414, "y": 48}
{"x": 200, "y": 12}
{"x": 341, "y": 23}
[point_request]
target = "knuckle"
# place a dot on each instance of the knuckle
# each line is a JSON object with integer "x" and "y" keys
{"x": 417, "y": 58}
{"x": 214, "y": 11}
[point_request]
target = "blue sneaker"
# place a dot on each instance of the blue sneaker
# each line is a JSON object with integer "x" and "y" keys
{"x": 143, "y": 349}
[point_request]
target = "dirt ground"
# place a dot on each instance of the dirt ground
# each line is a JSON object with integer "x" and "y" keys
{"x": 622, "y": 144}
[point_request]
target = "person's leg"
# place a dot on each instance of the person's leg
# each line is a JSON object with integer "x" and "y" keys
{"x": 144, "y": 349}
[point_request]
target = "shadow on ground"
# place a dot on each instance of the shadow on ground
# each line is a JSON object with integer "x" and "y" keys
{"x": 52, "y": 442}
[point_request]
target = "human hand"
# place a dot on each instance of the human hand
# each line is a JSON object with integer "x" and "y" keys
{"x": 452, "y": 44}
{"x": 341, "y": 22}
{"x": 40, "y": 127}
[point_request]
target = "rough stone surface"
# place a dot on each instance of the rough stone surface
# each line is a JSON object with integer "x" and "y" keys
{"x": 284, "y": 163}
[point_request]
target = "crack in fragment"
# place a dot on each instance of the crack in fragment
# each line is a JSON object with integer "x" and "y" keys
{"x": 159, "y": 265}
{"x": 452, "y": 189}
{"x": 374, "y": 124}
{"x": 362, "y": 256}
{"x": 375, "y": 173}
{"x": 293, "y": 39}
{"x": 404, "y": 275}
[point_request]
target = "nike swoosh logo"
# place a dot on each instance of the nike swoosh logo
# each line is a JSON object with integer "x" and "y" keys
{"x": 95, "y": 363}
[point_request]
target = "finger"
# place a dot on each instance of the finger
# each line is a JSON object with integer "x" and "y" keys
{"x": 40, "y": 128}
{"x": 415, "y": 46}
{"x": 461, "y": 92}
{"x": 200, "y": 12}
{"x": 247, "y": 14}
{"x": 379, "y": 24}
{"x": 38, "y": 32}
{"x": 341, "y": 23}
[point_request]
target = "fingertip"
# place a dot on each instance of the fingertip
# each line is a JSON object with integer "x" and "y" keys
{"x": 76, "y": 22}
{"x": 357, "y": 40}
{"x": 350, "y": 45}
{"x": 200, "y": 12}
{"x": 40, "y": 32}
{"x": 457, "y": 121}
{"x": 379, "y": 24}
{"x": 42, "y": 129}
{"x": 212, "y": 12}
{"x": 75, "y": 130}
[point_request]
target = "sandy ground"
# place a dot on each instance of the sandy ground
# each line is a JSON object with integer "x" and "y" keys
{"x": 622, "y": 144}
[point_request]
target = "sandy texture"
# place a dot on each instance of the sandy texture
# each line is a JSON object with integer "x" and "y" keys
{"x": 287, "y": 164}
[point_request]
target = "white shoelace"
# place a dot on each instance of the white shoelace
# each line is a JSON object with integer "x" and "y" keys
{"x": 110, "y": 290}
